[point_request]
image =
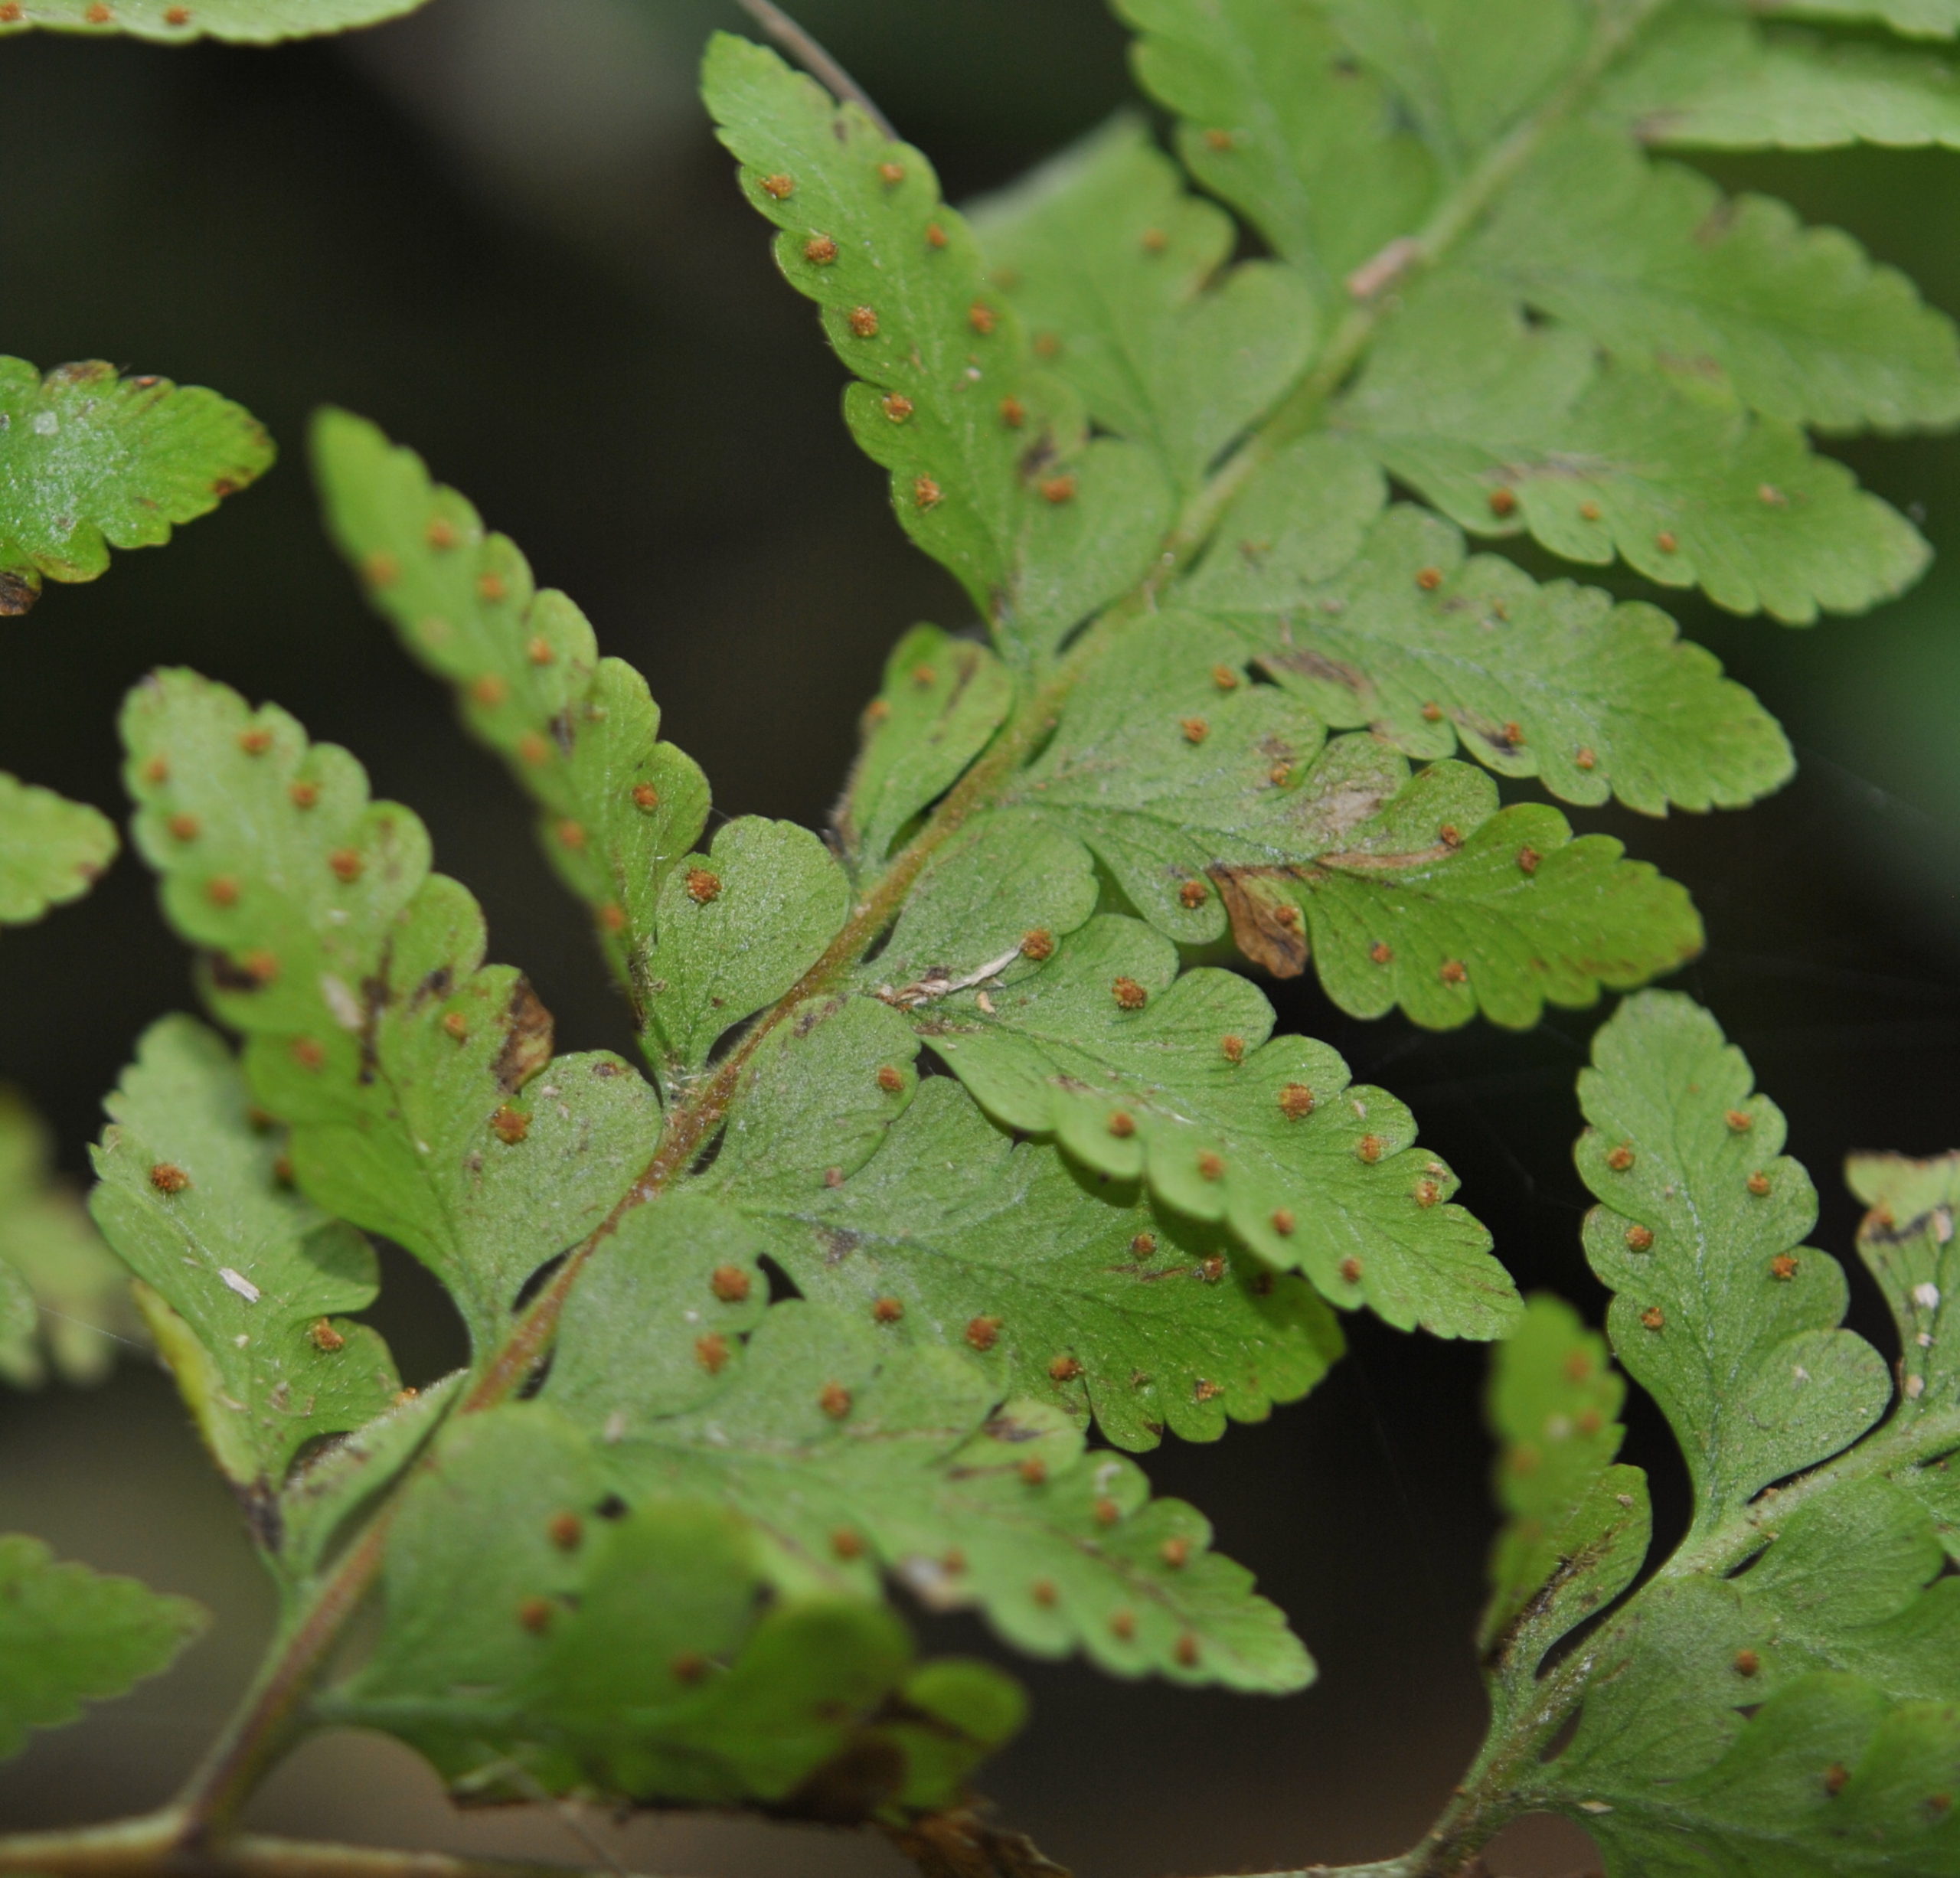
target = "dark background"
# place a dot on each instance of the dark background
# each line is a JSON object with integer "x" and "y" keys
{"x": 501, "y": 230}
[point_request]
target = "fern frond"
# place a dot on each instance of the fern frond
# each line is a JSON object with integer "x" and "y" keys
{"x": 618, "y": 808}
{"x": 1505, "y": 427}
{"x": 1094, "y": 1301}
{"x": 69, "y": 1636}
{"x": 419, "y": 1084}
{"x": 1439, "y": 651}
{"x": 242, "y": 1282}
{"x": 1176, "y": 1084}
{"x": 1116, "y": 269}
{"x": 52, "y": 851}
{"x": 1711, "y": 80}
{"x": 993, "y": 471}
{"x": 1212, "y": 799}
{"x": 90, "y": 460}
{"x": 1652, "y": 263}
{"x": 942, "y": 701}
{"x": 1702, "y": 1227}
{"x": 249, "y": 22}
{"x": 1777, "y": 1696}
{"x": 807, "y": 1461}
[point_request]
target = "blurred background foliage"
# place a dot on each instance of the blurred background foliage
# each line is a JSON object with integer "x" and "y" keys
{"x": 501, "y": 228}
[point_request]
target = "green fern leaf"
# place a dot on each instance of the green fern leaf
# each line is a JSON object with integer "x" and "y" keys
{"x": 820, "y": 1094}
{"x": 1438, "y": 652}
{"x": 1654, "y": 264}
{"x": 1112, "y": 264}
{"x": 991, "y": 470}
{"x": 241, "y": 1281}
{"x": 420, "y": 1086}
{"x": 1269, "y": 111}
{"x": 252, "y": 22}
{"x": 918, "y": 1214}
{"x": 1300, "y": 520}
{"x": 1719, "y": 1313}
{"x": 69, "y": 1636}
{"x": 521, "y": 1654}
{"x": 1009, "y": 874}
{"x": 90, "y": 461}
{"x": 1830, "y": 1778}
{"x": 830, "y": 1426}
{"x": 818, "y": 1455}
{"x": 1138, "y": 1076}
{"x": 618, "y": 808}
{"x": 76, "y": 1295}
{"x": 738, "y": 925}
{"x": 1711, "y": 83}
{"x": 942, "y": 700}
{"x": 19, "y": 1315}
{"x": 1466, "y": 72}
{"x": 1795, "y": 1716}
{"x": 1210, "y": 799}
{"x": 1503, "y": 426}
{"x": 51, "y": 850}
{"x": 1097, "y": 1302}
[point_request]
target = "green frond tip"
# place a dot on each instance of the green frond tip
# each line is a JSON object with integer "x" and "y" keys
{"x": 90, "y": 460}
{"x": 993, "y": 470}
{"x": 64, "y": 1300}
{"x": 69, "y": 1635}
{"x": 51, "y": 850}
{"x": 1720, "y": 1312}
{"x": 617, "y": 806}
{"x": 243, "y": 1281}
{"x": 419, "y": 1084}
{"x": 249, "y": 22}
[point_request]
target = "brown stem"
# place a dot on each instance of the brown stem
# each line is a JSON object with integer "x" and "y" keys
{"x": 151, "y": 1848}
{"x": 805, "y": 49}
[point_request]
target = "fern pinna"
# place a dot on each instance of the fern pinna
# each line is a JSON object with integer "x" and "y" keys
{"x": 966, "y": 1162}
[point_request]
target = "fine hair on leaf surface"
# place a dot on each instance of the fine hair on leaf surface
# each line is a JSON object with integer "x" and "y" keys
{"x": 1277, "y": 458}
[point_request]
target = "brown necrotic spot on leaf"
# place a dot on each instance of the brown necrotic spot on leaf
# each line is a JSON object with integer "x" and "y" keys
{"x": 1257, "y": 928}
{"x": 527, "y": 1039}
